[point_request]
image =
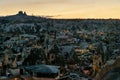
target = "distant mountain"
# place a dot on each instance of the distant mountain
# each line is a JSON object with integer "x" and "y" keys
{"x": 20, "y": 17}
{"x": 24, "y": 22}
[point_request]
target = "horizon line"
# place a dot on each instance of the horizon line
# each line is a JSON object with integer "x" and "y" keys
{"x": 53, "y": 16}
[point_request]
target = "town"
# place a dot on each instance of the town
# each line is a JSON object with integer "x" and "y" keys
{"x": 40, "y": 48}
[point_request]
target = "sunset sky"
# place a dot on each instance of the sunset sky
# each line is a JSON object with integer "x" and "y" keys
{"x": 63, "y": 8}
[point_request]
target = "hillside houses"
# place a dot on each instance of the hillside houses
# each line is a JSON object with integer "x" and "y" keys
{"x": 28, "y": 42}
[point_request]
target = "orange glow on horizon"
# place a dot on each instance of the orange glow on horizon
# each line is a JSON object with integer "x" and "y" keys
{"x": 63, "y": 8}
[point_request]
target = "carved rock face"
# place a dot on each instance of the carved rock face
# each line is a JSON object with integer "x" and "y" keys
{"x": 20, "y": 13}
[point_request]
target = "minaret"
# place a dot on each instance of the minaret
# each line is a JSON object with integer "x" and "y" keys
{"x": 55, "y": 32}
{"x": 46, "y": 40}
{"x": 46, "y": 44}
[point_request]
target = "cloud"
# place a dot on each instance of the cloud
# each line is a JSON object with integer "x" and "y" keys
{"x": 51, "y": 16}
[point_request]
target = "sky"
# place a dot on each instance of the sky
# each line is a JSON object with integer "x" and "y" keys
{"x": 63, "y": 8}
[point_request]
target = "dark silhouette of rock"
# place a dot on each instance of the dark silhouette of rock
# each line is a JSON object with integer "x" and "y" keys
{"x": 21, "y": 13}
